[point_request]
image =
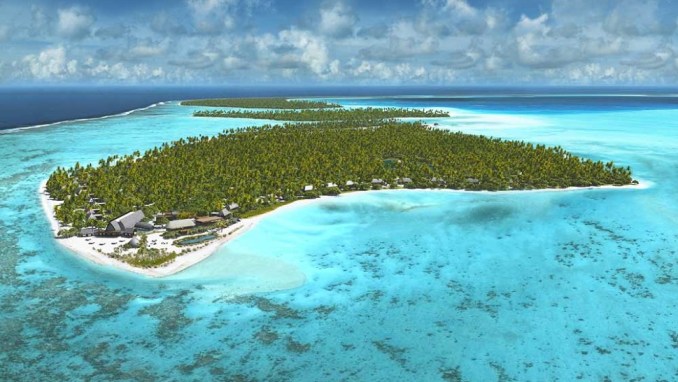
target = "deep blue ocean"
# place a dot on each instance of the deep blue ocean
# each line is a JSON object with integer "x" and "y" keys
{"x": 30, "y": 106}
{"x": 428, "y": 285}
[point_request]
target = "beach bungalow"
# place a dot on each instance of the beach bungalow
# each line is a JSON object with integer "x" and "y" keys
{"x": 376, "y": 181}
{"x": 308, "y": 188}
{"x": 224, "y": 213}
{"x": 180, "y": 224}
{"x": 472, "y": 180}
{"x": 350, "y": 183}
{"x": 233, "y": 207}
{"x": 125, "y": 223}
{"x": 94, "y": 215}
{"x": 331, "y": 185}
{"x": 405, "y": 181}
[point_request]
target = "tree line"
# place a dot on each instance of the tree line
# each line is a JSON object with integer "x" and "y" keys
{"x": 361, "y": 115}
{"x": 258, "y": 167}
{"x": 261, "y": 103}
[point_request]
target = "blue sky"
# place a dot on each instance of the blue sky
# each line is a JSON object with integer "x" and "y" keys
{"x": 418, "y": 42}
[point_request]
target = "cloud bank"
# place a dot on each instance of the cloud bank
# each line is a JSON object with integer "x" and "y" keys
{"x": 436, "y": 42}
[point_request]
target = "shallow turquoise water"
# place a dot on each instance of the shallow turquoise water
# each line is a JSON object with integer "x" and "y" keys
{"x": 399, "y": 285}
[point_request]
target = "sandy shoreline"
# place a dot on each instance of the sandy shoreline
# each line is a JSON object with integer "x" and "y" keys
{"x": 84, "y": 247}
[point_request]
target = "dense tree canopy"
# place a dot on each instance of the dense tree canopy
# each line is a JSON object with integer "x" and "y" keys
{"x": 261, "y": 103}
{"x": 361, "y": 115}
{"x": 259, "y": 167}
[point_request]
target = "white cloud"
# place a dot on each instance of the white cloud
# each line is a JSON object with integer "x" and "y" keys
{"x": 309, "y": 50}
{"x": 636, "y": 18}
{"x": 216, "y": 16}
{"x": 337, "y": 20}
{"x": 147, "y": 48}
{"x": 293, "y": 50}
{"x": 74, "y": 23}
{"x": 460, "y": 7}
{"x": 50, "y": 63}
{"x": 234, "y": 63}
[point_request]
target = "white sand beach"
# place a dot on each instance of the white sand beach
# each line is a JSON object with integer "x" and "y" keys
{"x": 97, "y": 249}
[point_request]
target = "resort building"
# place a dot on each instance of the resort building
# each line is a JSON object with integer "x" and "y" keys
{"x": 125, "y": 224}
{"x": 180, "y": 224}
{"x": 331, "y": 185}
{"x": 144, "y": 226}
{"x": 377, "y": 181}
{"x": 308, "y": 188}
{"x": 205, "y": 220}
{"x": 224, "y": 213}
{"x": 350, "y": 183}
{"x": 87, "y": 232}
{"x": 233, "y": 207}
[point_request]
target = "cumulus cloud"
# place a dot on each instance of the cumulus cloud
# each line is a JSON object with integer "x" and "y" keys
{"x": 292, "y": 51}
{"x": 537, "y": 49}
{"x": 651, "y": 60}
{"x": 50, "y": 64}
{"x": 567, "y": 41}
{"x": 637, "y": 18}
{"x": 74, "y": 23}
{"x": 197, "y": 59}
{"x": 336, "y": 20}
{"x": 216, "y": 16}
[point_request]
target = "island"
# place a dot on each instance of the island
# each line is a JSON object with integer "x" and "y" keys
{"x": 175, "y": 204}
{"x": 361, "y": 115}
{"x": 261, "y": 103}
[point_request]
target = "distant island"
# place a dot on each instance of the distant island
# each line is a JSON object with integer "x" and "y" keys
{"x": 184, "y": 195}
{"x": 261, "y": 103}
{"x": 344, "y": 115}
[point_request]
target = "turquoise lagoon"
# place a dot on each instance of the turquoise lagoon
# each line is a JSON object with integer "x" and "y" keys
{"x": 378, "y": 286}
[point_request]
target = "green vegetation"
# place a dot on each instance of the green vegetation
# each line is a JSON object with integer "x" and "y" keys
{"x": 258, "y": 167}
{"x": 146, "y": 257}
{"x": 261, "y": 103}
{"x": 345, "y": 115}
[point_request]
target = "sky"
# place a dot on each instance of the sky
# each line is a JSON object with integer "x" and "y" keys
{"x": 340, "y": 42}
